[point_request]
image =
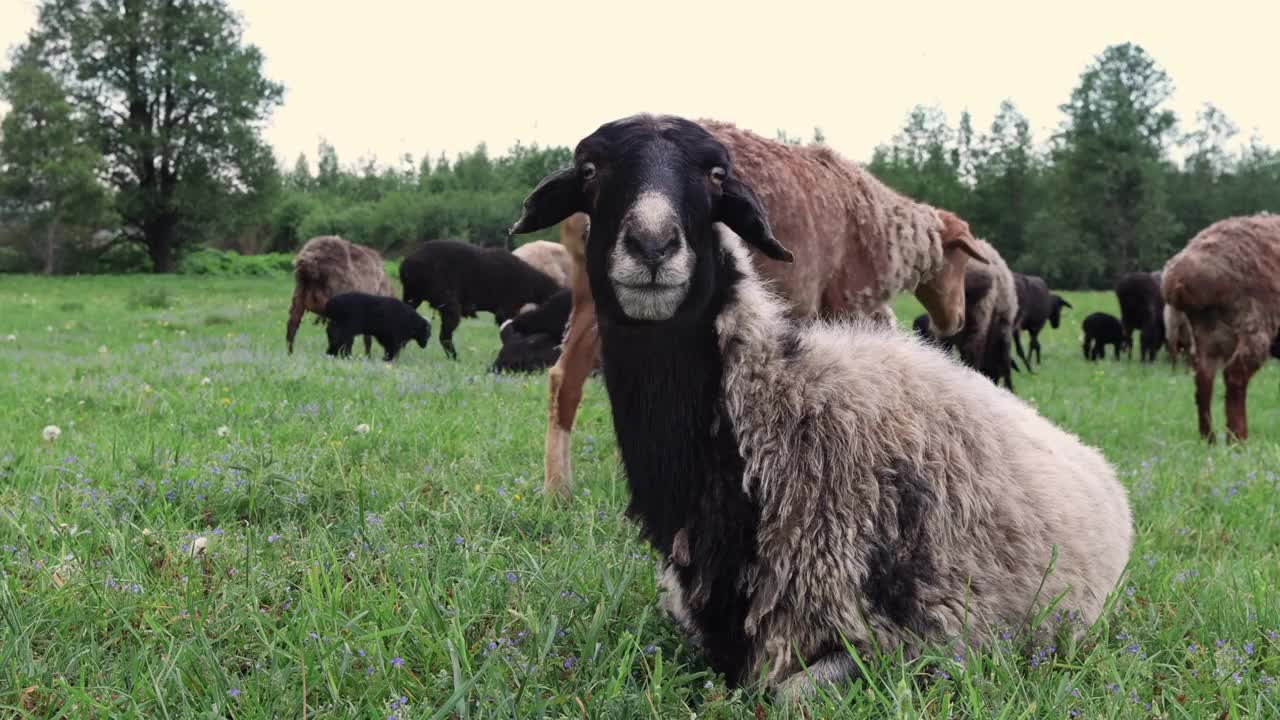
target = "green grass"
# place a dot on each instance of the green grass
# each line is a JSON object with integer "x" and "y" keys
{"x": 333, "y": 555}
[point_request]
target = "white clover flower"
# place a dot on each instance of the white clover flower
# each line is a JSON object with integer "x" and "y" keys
{"x": 11, "y": 337}
{"x": 362, "y": 429}
{"x": 224, "y": 431}
{"x": 51, "y": 433}
{"x": 199, "y": 545}
{"x": 102, "y": 349}
{"x": 206, "y": 381}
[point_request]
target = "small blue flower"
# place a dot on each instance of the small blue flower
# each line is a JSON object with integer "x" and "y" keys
{"x": 397, "y": 662}
{"x": 234, "y": 692}
{"x": 512, "y": 577}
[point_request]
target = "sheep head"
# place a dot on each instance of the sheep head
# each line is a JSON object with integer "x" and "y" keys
{"x": 943, "y": 294}
{"x": 1057, "y": 302}
{"x": 654, "y": 187}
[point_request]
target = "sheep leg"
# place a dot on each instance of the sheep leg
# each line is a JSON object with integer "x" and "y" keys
{"x": 1237, "y": 376}
{"x": 1204, "y": 399}
{"x": 1035, "y": 347}
{"x": 1085, "y": 349}
{"x": 835, "y": 668}
{"x": 1017, "y": 345}
{"x": 336, "y": 339}
{"x": 296, "y": 309}
{"x": 368, "y": 345}
{"x": 450, "y": 316}
{"x": 566, "y": 382}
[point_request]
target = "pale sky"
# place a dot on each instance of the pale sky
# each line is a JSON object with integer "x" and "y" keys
{"x": 386, "y": 77}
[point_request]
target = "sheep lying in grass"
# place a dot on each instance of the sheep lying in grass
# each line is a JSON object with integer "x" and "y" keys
{"x": 326, "y": 266}
{"x": 458, "y": 280}
{"x": 531, "y": 340}
{"x": 389, "y": 321}
{"x": 1036, "y": 306}
{"x": 808, "y": 484}
{"x": 551, "y": 258}
{"x": 1101, "y": 330}
{"x": 1227, "y": 281}
{"x": 858, "y": 243}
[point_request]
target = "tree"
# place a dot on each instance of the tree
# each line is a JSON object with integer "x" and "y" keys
{"x": 922, "y": 162}
{"x": 174, "y": 98}
{"x": 48, "y": 172}
{"x": 1006, "y": 182}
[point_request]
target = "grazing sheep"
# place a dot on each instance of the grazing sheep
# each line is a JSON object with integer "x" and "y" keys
{"x": 326, "y": 266}
{"x": 858, "y": 243}
{"x": 391, "y": 322}
{"x": 1227, "y": 281}
{"x": 1142, "y": 309}
{"x": 531, "y": 340}
{"x": 458, "y": 279}
{"x": 807, "y": 484}
{"x": 1178, "y": 337}
{"x": 551, "y": 258}
{"x": 1100, "y": 330}
{"x": 1036, "y": 305}
{"x": 985, "y": 343}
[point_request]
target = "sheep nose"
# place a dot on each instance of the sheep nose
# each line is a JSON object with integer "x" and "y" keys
{"x": 652, "y": 249}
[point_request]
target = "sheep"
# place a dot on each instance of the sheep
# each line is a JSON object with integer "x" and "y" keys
{"x": 1177, "y": 336}
{"x": 1227, "y": 281}
{"x": 388, "y": 320}
{"x": 551, "y": 258}
{"x": 1141, "y": 309}
{"x": 458, "y": 280}
{"x": 531, "y": 340}
{"x": 810, "y": 483}
{"x": 1036, "y": 305}
{"x": 859, "y": 243}
{"x": 1100, "y": 330}
{"x": 991, "y": 306}
{"x": 326, "y": 266}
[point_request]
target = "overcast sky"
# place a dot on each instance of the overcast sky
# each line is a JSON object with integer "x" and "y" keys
{"x": 387, "y": 77}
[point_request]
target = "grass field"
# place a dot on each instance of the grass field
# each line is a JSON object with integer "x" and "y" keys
{"x": 415, "y": 570}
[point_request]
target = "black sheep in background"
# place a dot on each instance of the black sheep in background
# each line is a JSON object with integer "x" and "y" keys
{"x": 1142, "y": 309}
{"x": 391, "y": 322}
{"x": 531, "y": 340}
{"x": 459, "y": 279}
{"x": 1100, "y": 330}
{"x": 1036, "y": 305}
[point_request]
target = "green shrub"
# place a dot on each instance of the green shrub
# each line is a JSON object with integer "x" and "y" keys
{"x": 228, "y": 263}
{"x": 154, "y": 298}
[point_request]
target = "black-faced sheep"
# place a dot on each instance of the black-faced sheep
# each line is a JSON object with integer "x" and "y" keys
{"x": 807, "y": 484}
{"x": 531, "y": 340}
{"x": 1036, "y": 306}
{"x": 1227, "y": 281}
{"x": 1142, "y": 309}
{"x": 391, "y": 322}
{"x": 551, "y": 258}
{"x": 857, "y": 243}
{"x": 458, "y": 280}
{"x": 985, "y": 343}
{"x": 1101, "y": 330}
{"x": 326, "y": 266}
{"x": 1178, "y": 337}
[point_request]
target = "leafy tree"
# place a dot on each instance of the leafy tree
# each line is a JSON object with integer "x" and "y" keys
{"x": 1006, "y": 182}
{"x": 174, "y": 99}
{"x": 48, "y": 172}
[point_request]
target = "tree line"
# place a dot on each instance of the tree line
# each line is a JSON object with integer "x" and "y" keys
{"x": 134, "y": 137}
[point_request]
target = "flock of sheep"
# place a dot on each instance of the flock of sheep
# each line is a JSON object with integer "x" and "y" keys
{"x": 809, "y": 474}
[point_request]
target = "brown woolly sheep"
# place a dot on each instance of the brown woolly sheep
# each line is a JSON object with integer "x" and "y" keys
{"x": 1178, "y": 337}
{"x": 857, "y": 243}
{"x": 327, "y": 266}
{"x": 551, "y": 258}
{"x": 1227, "y": 281}
{"x": 991, "y": 308}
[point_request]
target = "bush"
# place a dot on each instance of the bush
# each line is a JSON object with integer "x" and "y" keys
{"x": 229, "y": 263}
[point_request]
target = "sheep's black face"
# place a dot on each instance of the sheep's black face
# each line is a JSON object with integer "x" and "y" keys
{"x": 654, "y": 188}
{"x": 1055, "y": 314}
{"x": 423, "y": 332}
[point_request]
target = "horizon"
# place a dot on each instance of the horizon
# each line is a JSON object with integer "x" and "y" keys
{"x": 959, "y": 62}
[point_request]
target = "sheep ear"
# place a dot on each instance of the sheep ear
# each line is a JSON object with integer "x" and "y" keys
{"x": 1063, "y": 302}
{"x": 558, "y": 196}
{"x": 967, "y": 248}
{"x": 741, "y": 210}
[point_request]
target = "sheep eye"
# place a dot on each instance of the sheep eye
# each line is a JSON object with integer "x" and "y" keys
{"x": 717, "y": 175}
{"x": 588, "y": 171}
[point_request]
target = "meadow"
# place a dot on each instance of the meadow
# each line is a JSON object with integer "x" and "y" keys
{"x": 224, "y": 530}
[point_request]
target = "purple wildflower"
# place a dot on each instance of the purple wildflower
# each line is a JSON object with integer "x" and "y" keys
{"x": 234, "y": 692}
{"x": 397, "y": 662}
{"x": 512, "y": 577}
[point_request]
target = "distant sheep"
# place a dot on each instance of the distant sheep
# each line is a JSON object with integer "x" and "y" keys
{"x": 809, "y": 484}
{"x": 991, "y": 307}
{"x": 551, "y": 258}
{"x": 1227, "y": 281}
{"x": 1036, "y": 305}
{"x": 1100, "y": 330}
{"x": 857, "y": 244}
{"x": 326, "y": 266}
{"x": 1142, "y": 309}
{"x": 459, "y": 279}
{"x": 1178, "y": 336}
{"x": 389, "y": 321}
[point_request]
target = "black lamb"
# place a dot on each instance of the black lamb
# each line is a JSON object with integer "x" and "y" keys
{"x": 1036, "y": 305}
{"x": 391, "y": 322}
{"x": 531, "y": 340}
{"x": 1100, "y": 330}
{"x": 1142, "y": 309}
{"x": 458, "y": 279}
